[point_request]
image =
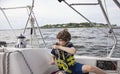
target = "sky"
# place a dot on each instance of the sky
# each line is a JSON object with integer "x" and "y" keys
{"x": 53, "y": 12}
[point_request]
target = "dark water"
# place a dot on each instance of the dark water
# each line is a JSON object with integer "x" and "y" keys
{"x": 88, "y": 41}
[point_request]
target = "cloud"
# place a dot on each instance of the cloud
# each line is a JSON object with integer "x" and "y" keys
{"x": 51, "y": 11}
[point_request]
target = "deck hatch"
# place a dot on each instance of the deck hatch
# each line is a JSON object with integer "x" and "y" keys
{"x": 107, "y": 65}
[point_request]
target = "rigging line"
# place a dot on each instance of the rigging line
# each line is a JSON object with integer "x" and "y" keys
{"x": 107, "y": 48}
{"x": 4, "y": 62}
{"x": 107, "y": 20}
{"x": 106, "y": 14}
{"x": 109, "y": 25}
{"x": 27, "y": 10}
{"x": 82, "y": 15}
{"x": 78, "y": 12}
{"x": 14, "y": 8}
{"x": 108, "y": 35}
{"x": 8, "y": 22}
{"x": 106, "y": 8}
{"x": 32, "y": 27}
{"x": 117, "y": 3}
{"x": 8, "y": 61}
{"x": 27, "y": 19}
{"x": 39, "y": 30}
{"x": 84, "y": 4}
{"x": 29, "y": 16}
{"x": 25, "y": 61}
{"x": 30, "y": 8}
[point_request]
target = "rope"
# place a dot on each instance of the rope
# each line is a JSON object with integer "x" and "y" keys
{"x": 6, "y": 62}
{"x": 29, "y": 16}
{"x": 105, "y": 4}
{"x": 107, "y": 20}
{"x": 27, "y": 19}
{"x": 82, "y": 15}
{"x": 8, "y": 21}
{"x": 31, "y": 72}
{"x": 30, "y": 8}
{"x": 33, "y": 31}
{"x": 117, "y": 3}
{"x": 13, "y": 8}
{"x": 33, "y": 15}
{"x": 106, "y": 7}
{"x": 39, "y": 29}
{"x": 78, "y": 12}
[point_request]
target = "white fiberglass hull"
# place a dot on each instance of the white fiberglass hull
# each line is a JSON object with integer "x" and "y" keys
{"x": 36, "y": 61}
{"x": 31, "y": 61}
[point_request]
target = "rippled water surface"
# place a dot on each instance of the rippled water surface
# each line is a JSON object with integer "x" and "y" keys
{"x": 88, "y": 41}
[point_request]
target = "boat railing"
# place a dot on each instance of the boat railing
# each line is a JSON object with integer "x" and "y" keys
{"x": 31, "y": 18}
{"x": 105, "y": 16}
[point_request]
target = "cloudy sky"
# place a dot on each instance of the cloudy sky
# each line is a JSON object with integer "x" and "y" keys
{"x": 53, "y": 12}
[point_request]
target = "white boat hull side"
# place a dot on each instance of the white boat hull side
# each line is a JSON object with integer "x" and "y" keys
{"x": 37, "y": 58}
{"x": 93, "y": 61}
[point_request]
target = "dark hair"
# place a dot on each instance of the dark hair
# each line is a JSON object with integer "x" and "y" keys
{"x": 64, "y": 35}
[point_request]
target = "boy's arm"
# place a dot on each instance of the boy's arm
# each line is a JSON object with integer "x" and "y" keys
{"x": 67, "y": 49}
{"x": 52, "y": 60}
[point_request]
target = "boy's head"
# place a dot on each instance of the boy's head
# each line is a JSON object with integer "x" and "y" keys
{"x": 64, "y": 36}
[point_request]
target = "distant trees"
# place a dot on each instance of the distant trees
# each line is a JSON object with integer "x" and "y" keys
{"x": 74, "y": 25}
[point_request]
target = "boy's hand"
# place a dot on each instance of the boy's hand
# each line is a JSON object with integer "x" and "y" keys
{"x": 55, "y": 46}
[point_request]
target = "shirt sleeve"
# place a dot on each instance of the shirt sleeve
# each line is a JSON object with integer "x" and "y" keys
{"x": 53, "y": 51}
{"x": 70, "y": 45}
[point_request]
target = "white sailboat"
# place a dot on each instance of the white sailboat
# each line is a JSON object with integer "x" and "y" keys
{"x": 35, "y": 60}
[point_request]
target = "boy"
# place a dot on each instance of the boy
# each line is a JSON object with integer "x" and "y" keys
{"x": 63, "y": 51}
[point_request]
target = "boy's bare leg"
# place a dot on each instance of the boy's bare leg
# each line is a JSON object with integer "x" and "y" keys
{"x": 87, "y": 68}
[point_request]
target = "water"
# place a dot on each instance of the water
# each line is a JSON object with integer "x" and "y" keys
{"x": 87, "y": 41}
